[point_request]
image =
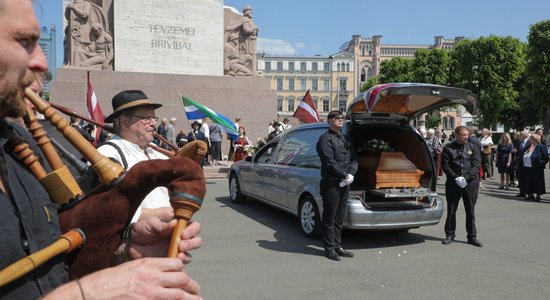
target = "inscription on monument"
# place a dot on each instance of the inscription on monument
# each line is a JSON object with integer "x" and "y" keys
{"x": 164, "y": 36}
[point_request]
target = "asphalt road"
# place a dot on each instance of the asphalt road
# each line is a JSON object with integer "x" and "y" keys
{"x": 252, "y": 251}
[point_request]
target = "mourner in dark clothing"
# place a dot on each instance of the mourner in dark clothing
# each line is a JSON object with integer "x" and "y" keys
{"x": 524, "y": 144}
{"x": 338, "y": 165}
{"x": 534, "y": 159}
{"x": 461, "y": 163}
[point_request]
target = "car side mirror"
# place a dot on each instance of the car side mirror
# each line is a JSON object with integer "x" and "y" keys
{"x": 248, "y": 158}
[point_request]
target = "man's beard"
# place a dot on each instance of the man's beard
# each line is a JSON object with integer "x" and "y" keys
{"x": 12, "y": 103}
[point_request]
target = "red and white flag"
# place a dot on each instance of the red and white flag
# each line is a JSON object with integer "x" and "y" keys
{"x": 306, "y": 111}
{"x": 94, "y": 111}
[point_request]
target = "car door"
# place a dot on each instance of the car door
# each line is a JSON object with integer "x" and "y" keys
{"x": 292, "y": 165}
{"x": 252, "y": 182}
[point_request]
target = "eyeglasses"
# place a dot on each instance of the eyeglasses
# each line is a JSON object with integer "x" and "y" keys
{"x": 145, "y": 118}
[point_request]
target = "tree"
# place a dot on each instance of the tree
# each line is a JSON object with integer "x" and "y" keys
{"x": 538, "y": 68}
{"x": 396, "y": 69}
{"x": 372, "y": 81}
{"x": 491, "y": 68}
{"x": 431, "y": 66}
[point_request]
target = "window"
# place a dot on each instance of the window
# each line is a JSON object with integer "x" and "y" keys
{"x": 326, "y": 104}
{"x": 448, "y": 122}
{"x": 342, "y": 103}
{"x": 291, "y": 66}
{"x": 316, "y": 102}
{"x": 298, "y": 149}
{"x": 302, "y": 66}
{"x": 268, "y": 65}
{"x": 291, "y": 84}
{"x": 326, "y": 66}
{"x": 347, "y": 67}
{"x": 343, "y": 84}
{"x": 279, "y": 84}
{"x": 314, "y": 84}
{"x": 279, "y": 103}
{"x": 363, "y": 75}
{"x": 338, "y": 67}
{"x": 303, "y": 84}
{"x": 279, "y": 65}
{"x": 326, "y": 84}
{"x": 314, "y": 66}
{"x": 265, "y": 154}
{"x": 290, "y": 103}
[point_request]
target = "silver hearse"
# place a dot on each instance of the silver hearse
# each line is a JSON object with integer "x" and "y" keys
{"x": 285, "y": 173}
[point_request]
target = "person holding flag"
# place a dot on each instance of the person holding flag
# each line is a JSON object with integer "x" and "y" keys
{"x": 95, "y": 113}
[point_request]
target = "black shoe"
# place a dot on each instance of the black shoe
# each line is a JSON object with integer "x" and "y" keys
{"x": 520, "y": 195}
{"x": 344, "y": 253}
{"x": 537, "y": 198}
{"x": 449, "y": 239}
{"x": 531, "y": 197}
{"x": 332, "y": 255}
{"x": 474, "y": 242}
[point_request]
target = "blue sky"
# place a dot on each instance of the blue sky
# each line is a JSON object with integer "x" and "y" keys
{"x": 309, "y": 27}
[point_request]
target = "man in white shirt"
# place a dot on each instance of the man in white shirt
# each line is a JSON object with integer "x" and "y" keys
{"x": 286, "y": 124}
{"x": 486, "y": 155}
{"x": 134, "y": 122}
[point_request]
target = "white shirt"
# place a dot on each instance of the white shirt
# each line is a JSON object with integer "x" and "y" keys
{"x": 527, "y": 158}
{"x": 486, "y": 141}
{"x": 204, "y": 129}
{"x": 158, "y": 197}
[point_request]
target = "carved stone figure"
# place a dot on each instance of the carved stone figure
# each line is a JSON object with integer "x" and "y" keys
{"x": 247, "y": 32}
{"x": 84, "y": 45}
{"x": 234, "y": 61}
{"x": 98, "y": 52}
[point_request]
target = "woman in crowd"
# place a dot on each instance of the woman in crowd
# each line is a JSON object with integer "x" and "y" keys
{"x": 540, "y": 132}
{"x": 504, "y": 160}
{"x": 534, "y": 160}
{"x": 240, "y": 145}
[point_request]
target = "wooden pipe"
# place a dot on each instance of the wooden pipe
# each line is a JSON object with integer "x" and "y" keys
{"x": 110, "y": 128}
{"x": 65, "y": 244}
{"x": 60, "y": 183}
{"x": 185, "y": 205}
{"x": 107, "y": 170}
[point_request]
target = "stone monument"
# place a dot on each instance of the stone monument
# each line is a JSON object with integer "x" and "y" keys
{"x": 165, "y": 48}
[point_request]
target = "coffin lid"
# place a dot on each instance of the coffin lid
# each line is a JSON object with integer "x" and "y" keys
{"x": 410, "y": 99}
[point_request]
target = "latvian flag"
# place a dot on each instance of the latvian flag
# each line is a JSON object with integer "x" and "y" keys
{"x": 94, "y": 111}
{"x": 306, "y": 111}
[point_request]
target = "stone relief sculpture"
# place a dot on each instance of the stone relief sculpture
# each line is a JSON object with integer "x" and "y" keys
{"x": 234, "y": 62}
{"x": 87, "y": 42}
{"x": 247, "y": 32}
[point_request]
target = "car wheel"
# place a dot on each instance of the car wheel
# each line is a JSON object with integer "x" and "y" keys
{"x": 310, "y": 219}
{"x": 235, "y": 190}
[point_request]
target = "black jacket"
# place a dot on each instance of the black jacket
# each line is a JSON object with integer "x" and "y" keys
{"x": 461, "y": 160}
{"x": 337, "y": 156}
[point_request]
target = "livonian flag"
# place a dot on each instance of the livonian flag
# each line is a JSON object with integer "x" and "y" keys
{"x": 94, "y": 111}
{"x": 306, "y": 111}
{"x": 197, "y": 111}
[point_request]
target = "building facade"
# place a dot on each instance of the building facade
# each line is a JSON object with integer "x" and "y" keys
{"x": 334, "y": 81}
{"x": 47, "y": 43}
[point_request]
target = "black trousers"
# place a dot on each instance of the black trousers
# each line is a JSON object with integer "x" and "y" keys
{"x": 453, "y": 193}
{"x": 335, "y": 199}
{"x": 216, "y": 148}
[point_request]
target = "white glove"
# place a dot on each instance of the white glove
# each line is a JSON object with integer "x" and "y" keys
{"x": 461, "y": 182}
{"x": 347, "y": 181}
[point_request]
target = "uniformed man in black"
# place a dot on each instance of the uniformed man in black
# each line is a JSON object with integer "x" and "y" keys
{"x": 461, "y": 163}
{"x": 338, "y": 165}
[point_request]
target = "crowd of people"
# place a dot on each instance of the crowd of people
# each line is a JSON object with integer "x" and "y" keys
{"x": 518, "y": 158}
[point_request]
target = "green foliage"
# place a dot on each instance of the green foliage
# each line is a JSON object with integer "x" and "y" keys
{"x": 431, "y": 66}
{"x": 372, "y": 81}
{"x": 396, "y": 69}
{"x": 433, "y": 119}
{"x": 491, "y": 68}
{"x": 538, "y": 67}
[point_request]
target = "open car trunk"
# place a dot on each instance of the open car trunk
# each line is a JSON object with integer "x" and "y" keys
{"x": 395, "y": 169}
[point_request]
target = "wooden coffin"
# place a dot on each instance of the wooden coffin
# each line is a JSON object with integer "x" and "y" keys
{"x": 388, "y": 170}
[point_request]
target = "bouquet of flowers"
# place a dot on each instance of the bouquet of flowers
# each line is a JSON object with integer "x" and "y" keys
{"x": 378, "y": 145}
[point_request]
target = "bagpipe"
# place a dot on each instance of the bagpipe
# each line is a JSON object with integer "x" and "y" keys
{"x": 102, "y": 214}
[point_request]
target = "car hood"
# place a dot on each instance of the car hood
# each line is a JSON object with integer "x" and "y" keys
{"x": 409, "y": 99}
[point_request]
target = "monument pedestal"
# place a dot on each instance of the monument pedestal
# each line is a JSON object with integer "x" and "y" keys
{"x": 249, "y": 97}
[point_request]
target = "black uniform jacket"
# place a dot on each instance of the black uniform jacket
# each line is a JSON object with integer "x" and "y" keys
{"x": 461, "y": 160}
{"x": 337, "y": 156}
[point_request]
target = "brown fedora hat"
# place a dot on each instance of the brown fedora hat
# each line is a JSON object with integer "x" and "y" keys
{"x": 129, "y": 99}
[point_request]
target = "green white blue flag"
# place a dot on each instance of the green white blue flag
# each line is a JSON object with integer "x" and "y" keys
{"x": 196, "y": 111}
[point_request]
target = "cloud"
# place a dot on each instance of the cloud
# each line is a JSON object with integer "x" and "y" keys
{"x": 299, "y": 45}
{"x": 275, "y": 47}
